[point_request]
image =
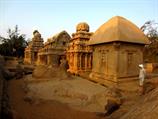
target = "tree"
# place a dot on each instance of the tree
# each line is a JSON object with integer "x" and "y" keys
{"x": 150, "y": 29}
{"x": 14, "y": 44}
{"x": 151, "y": 50}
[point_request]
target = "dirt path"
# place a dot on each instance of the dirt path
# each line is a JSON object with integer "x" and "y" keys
{"x": 44, "y": 109}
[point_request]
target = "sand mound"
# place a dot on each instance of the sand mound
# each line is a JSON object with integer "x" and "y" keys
{"x": 78, "y": 93}
{"x": 44, "y": 72}
{"x": 50, "y": 72}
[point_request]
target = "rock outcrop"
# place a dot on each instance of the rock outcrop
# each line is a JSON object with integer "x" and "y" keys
{"x": 5, "y": 109}
{"x": 145, "y": 108}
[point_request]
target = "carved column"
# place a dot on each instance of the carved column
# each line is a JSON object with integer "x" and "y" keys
{"x": 71, "y": 61}
{"x": 39, "y": 60}
{"x": 76, "y": 61}
{"x": 80, "y": 61}
{"x": 42, "y": 60}
{"x": 32, "y": 57}
{"x": 86, "y": 61}
{"x": 45, "y": 59}
{"x": 90, "y": 61}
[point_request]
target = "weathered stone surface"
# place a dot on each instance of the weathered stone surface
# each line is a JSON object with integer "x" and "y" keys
{"x": 145, "y": 108}
{"x": 44, "y": 72}
{"x": 77, "y": 92}
{"x": 83, "y": 26}
{"x": 19, "y": 71}
{"x": 63, "y": 69}
{"x": 54, "y": 49}
{"x": 111, "y": 107}
{"x": 118, "y": 29}
{"x": 79, "y": 54}
{"x": 117, "y": 50}
{"x": 5, "y": 109}
{"x": 32, "y": 49}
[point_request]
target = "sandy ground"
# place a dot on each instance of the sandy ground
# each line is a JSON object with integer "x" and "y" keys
{"x": 42, "y": 109}
{"x": 77, "y": 92}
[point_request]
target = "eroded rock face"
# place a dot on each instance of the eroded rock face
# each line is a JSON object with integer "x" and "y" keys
{"x": 111, "y": 107}
{"x": 63, "y": 68}
{"x": 19, "y": 71}
{"x": 52, "y": 72}
{"x": 78, "y": 93}
{"x": 44, "y": 72}
{"x": 5, "y": 109}
{"x": 146, "y": 108}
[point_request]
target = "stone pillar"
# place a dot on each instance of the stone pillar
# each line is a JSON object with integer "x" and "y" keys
{"x": 38, "y": 60}
{"x": 44, "y": 59}
{"x": 72, "y": 61}
{"x": 49, "y": 59}
{"x": 32, "y": 58}
{"x": 41, "y": 60}
{"x": 90, "y": 61}
{"x": 86, "y": 62}
{"x": 76, "y": 61}
{"x": 80, "y": 61}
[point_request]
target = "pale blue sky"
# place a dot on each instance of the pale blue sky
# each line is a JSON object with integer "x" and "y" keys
{"x": 53, "y": 16}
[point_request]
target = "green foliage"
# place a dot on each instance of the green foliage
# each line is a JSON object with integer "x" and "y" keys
{"x": 14, "y": 44}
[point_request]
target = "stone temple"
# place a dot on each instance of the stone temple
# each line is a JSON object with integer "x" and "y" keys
{"x": 117, "y": 50}
{"x": 111, "y": 54}
{"x": 54, "y": 49}
{"x": 79, "y": 54}
{"x": 32, "y": 49}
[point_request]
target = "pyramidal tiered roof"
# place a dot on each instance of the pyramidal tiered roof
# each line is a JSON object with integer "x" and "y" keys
{"x": 118, "y": 29}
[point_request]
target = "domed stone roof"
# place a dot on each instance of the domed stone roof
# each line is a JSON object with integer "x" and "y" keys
{"x": 118, "y": 29}
{"x": 83, "y": 26}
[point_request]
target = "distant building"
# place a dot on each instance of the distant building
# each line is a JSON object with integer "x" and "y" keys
{"x": 32, "y": 49}
{"x": 79, "y": 54}
{"x": 54, "y": 49}
{"x": 117, "y": 50}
